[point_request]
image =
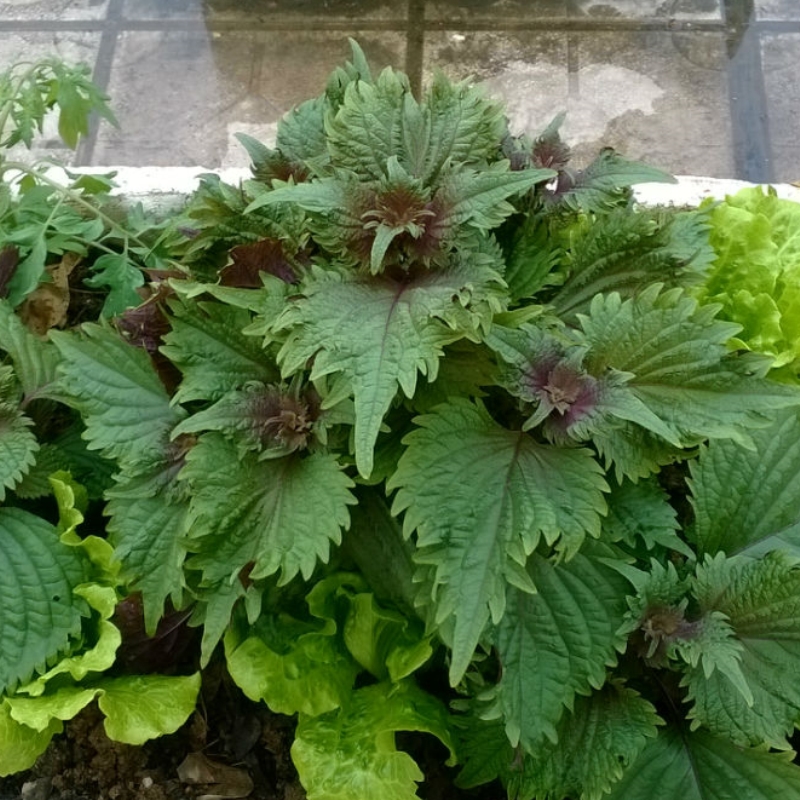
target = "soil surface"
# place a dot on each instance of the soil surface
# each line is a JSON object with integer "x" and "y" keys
{"x": 229, "y": 748}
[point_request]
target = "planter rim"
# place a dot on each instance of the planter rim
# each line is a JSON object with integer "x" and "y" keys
{"x": 165, "y": 186}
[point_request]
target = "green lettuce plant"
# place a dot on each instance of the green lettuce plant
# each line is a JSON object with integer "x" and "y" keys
{"x": 436, "y": 433}
{"x": 756, "y": 273}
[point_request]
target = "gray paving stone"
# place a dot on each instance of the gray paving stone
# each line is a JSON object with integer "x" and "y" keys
{"x": 659, "y": 92}
{"x": 777, "y": 9}
{"x": 528, "y": 71}
{"x": 498, "y": 12}
{"x": 41, "y": 10}
{"x": 268, "y": 11}
{"x": 657, "y": 96}
{"x": 780, "y": 56}
{"x": 181, "y": 95}
{"x": 641, "y": 9}
{"x": 676, "y": 88}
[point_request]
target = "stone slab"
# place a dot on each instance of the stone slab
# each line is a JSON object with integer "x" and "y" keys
{"x": 181, "y": 95}
{"x": 682, "y": 10}
{"x": 500, "y": 13}
{"x": 50, "y": 10}
{"x": 653, "y": 95}
{"x": 780, "y": 10}
{"x": 656, "y": 96}
{"x": 780, "y": 58}
{"x": 268, "y": 12}
{"x": 528, "y": 71}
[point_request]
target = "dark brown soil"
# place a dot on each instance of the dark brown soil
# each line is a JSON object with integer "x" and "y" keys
{"x": 238, "y": 738}
{"x": 227, "y": 729}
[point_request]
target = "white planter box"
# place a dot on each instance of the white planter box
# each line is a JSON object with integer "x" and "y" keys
{"x": 166, "y": 187}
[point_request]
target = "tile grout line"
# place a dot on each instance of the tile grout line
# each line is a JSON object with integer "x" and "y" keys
{"x": 547, "y": 24}
{"x": 415, "y": 44}
{"x": 747, "y": 94}
{"x": 101, "y": 76}
{"x": 573, "y": 67}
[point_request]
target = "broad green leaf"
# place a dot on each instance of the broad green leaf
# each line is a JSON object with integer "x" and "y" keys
{"x": 68, "y": 451}
{"x": 350, "y": 753}
{"x": 624, "y": 251}
{"x": 641, "y": 514}
{"x": 292, "y": 666}
{"x": 484, "y": 754}
{"x": 597, "y": 741}
{"x": 18, "y": 447}
{"x": 747, "y": 500}
{"x": 35, "y": 360}
{"x": 597, "y": 188}
{"x": 481, "y": 498}
{"x": 148, "y": 524}
{"x": 375, "y": 544}
{"x": 464, "y": 370}
{"x": 633, "y": 452}
{"x": 681, "y": 370}
{"x": 301, "y": 132}
{"x": 21, "y": 745}
{"x": 679, "y": 765}
{"x": 480, "y": 199}
{"x": 96, "y": 657}
{"x": 367, "y": 129}
{"x": 142, "y": 707}
{"x": 459, "y": 124}
{"x": 532, "y": 259}
{"x": 117, "y": 390}
{"x": 119, "y": 278}
{"x": 323, "y": 196}
{"x": 40, "y": 712}
{"x": 556, "y": 643}
{"x": 279, "y": 515}
{"x": 34, "y": 483}
{"x": 383, "y": 641}
{"x": 41, "y": 617}
{"x": 379, "y": 334}
{"x": 761, "y": 600}
{"x": 207, "y": 344}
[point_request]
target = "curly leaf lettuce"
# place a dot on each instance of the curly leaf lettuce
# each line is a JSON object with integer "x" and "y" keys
{"x": 350, "y": 753}
{"x": 756, "y": 276}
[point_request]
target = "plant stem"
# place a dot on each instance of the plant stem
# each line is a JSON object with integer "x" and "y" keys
{"x": 78, "y": 199}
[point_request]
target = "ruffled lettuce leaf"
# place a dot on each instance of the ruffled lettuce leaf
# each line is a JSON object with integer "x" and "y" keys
{"x": 21, "y": 745}
{"x": 351, "y": 754}
{"x": 756, "y": 275}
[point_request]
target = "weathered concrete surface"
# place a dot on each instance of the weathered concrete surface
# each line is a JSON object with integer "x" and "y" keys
{"x": 694, "y": 86}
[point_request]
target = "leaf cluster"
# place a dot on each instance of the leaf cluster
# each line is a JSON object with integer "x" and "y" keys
{"x": 427, "y": 408}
